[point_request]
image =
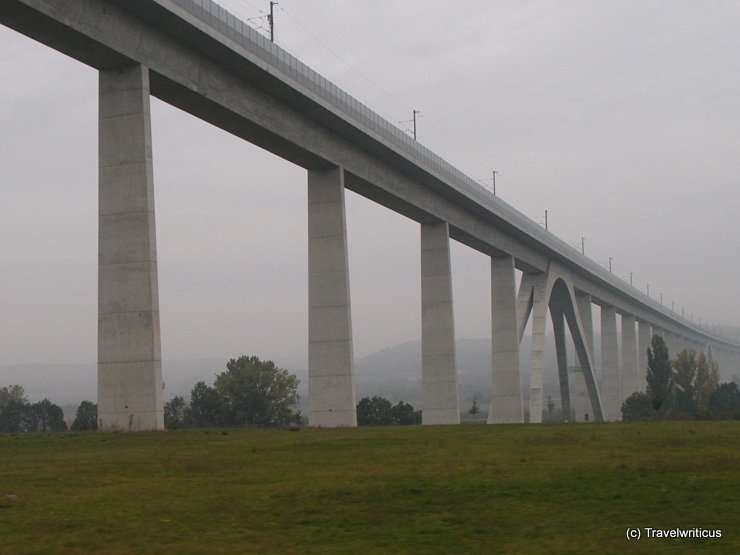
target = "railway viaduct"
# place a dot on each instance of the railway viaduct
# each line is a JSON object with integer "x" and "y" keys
{"x": 196, "y": 56}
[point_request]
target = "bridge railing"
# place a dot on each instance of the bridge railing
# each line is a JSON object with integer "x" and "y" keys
{"x": 226, "y": 23}
{"x": 240, "y": 32}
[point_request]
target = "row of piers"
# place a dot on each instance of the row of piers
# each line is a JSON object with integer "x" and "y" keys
{"x": 129, "y": 354}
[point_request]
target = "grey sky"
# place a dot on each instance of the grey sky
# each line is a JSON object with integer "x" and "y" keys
{"x": 618, "y": 118}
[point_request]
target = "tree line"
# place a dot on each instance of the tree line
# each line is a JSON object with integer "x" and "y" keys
{"x": 378, "y": 411}
{"x": 17, "y": 414}
{"x": 256, "y": 394}
{"x": 251, "y": 393}
{"x": 685, "y": 387}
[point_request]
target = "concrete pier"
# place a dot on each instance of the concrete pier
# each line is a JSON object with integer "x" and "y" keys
{"x": 670, "y": 343}
{"x": 533, "y": 292}
{"x": 129, "y": 352}
{"x": 506, "y": 402}
{"x": 629, "y": 356}
{"x": 558, "y": 329}
{"x": 438, "y": 365}
{"x": 331, "y": 374}
{"x": 580, "y": 401}
{"x": 585, "y": 313}
{"x": 644, "y": 339}
{"x": 611, "y": 394}
{"x": 582, "y": 333}
{"x": 583, "y": 411}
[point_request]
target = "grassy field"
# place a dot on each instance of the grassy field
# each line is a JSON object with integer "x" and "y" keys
{"x": 552, "y": 488}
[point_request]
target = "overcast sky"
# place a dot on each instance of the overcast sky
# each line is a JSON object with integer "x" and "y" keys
{"x": 620, "y": 118}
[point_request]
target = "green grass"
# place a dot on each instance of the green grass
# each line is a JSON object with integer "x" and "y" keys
{"x": 553, "y": 488}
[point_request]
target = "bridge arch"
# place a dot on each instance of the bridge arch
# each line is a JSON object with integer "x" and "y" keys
{"x": 553, "y": 291}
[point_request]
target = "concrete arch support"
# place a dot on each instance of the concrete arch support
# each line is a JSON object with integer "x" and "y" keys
{"x": 331, "y": 374}
{"x": 129, "y": 350}
{"x": 506, "y": 401}
{"x": 438, "y": 365}
{"x": 553, "y": 290}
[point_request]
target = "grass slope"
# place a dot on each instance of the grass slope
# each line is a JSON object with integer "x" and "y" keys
{"x": 554, "y": 488}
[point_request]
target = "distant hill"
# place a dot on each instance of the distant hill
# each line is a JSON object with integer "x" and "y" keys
{"x": 394, "y": 373}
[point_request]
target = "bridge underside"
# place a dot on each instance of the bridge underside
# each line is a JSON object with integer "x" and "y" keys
{"x": 144, "y": 47}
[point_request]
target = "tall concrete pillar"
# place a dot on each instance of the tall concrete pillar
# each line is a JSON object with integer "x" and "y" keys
{"x": 671, "y": 341}
{"x": 581, "y": 401}
{"x": 629, "y": 356}
{"x": 506, "y": 401}
{"x": 533, "y": 293}
{"x": 709, "y": 350}
{"x": 331, "y": 373}
{"x": 677, "y": 345}
{"x": 728, "y": 363}
{"x": 438, "y": 367}
{"x": 585, "y": 312}
{"x": 611, "y": 394}
{"x": 558, "y": 329}
{"x": 129, "y": 352}
{"x": 681, "y": 343}
{"x": 644, "y": 340}
{"x": 731, "y": 365}
{"x": 582, "y": 334}
{"x": 718, "y": 357}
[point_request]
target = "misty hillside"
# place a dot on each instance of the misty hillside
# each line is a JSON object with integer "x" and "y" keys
{"x": 394, "y": 373}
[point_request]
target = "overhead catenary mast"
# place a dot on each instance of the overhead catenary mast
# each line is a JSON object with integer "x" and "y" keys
{"x": 271, "y": 21}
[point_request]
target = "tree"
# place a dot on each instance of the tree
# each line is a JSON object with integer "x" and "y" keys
{"x": 377, "y": 411}
{"x": 725, "y": 399}
{"x": 13, "y": 409}
{"x": 474, "y": 409}
{"x": 550, "y": 406}
{"x": 706, "y": 381}
{"x": 258, "y": 394}
{"x": 659, "y": 376}
{"x": 684, "y": 375}
{"x": 637, "y": 406}
{"x": 13, "y": 416}
{"x": 174, "y": 413}
{"x": 374, "y": 412}
{"x": 86, "y": 417}
{"x": 12, "y": 393}
{"x": 45, "y": 416}
{"x": 404, "y": 414}
{"x": 205, "y": 409}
